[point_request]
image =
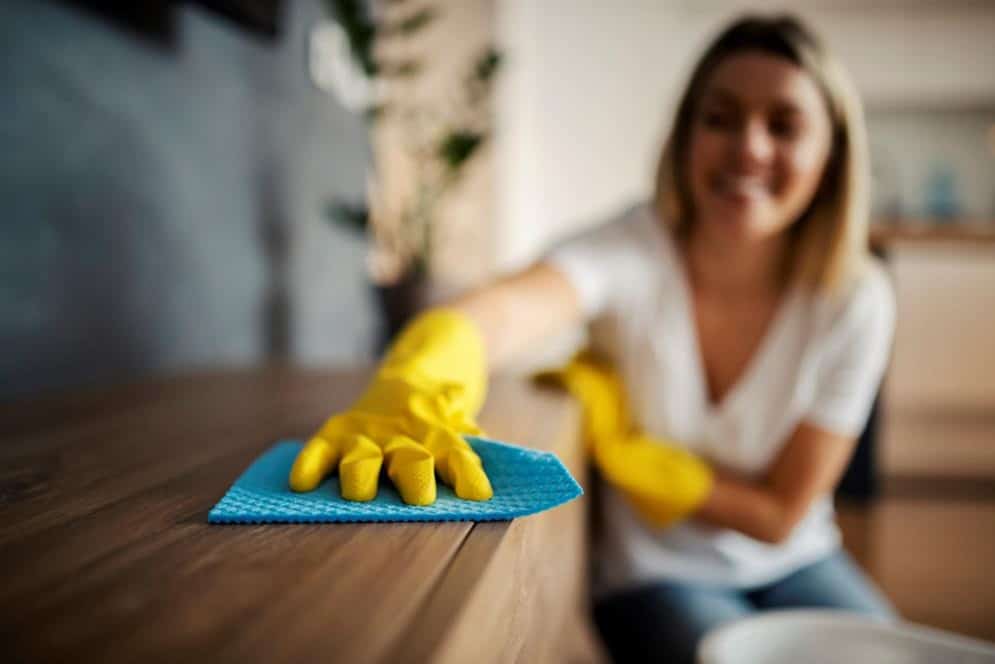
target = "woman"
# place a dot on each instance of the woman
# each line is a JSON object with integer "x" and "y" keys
{"x": 745, "y": 319}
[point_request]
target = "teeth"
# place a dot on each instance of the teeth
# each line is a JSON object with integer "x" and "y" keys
{"x": 743, "y": 185}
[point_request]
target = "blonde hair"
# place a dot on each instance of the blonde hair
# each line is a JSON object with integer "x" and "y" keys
{"x": 829, "y": 241}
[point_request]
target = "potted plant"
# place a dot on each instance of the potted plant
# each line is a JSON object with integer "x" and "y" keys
{"x": 440, "y": 134}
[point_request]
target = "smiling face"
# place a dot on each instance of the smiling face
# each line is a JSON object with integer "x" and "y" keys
{"x": 759, "y": 144}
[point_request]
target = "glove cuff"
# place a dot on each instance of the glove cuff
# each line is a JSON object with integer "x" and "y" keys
{"x": 441, "y": 347}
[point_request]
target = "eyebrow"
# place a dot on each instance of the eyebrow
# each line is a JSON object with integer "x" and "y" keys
{"x": 722, "y": 95}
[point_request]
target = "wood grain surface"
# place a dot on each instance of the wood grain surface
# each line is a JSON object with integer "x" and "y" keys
{"x": 107, "y": 555}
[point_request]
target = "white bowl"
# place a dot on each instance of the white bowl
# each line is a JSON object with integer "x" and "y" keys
{"x": 822, "y": 636}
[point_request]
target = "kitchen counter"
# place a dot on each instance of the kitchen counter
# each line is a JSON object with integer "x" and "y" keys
{"x": 889, "y": 233}
{"x": 107, "y": 554}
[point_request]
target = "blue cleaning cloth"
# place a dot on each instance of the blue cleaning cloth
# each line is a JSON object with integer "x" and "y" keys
{"x": 524, "y": 481}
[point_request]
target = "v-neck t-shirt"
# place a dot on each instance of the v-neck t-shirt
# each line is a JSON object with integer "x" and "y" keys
{"x": 820, "y": 361}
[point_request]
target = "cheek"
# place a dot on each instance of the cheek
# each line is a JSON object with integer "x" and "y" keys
{"x": 803, "y": 167}
{"x": 704, "y": 154}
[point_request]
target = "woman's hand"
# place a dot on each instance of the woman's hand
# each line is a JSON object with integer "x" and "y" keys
{"x": 430, "y": 388}
{"x": 412, "y": 417}
{"x": 661, "y": 480}
{"x": 416, "y": 431}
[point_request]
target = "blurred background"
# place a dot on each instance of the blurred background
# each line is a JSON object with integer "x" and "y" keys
{"x": 228, "y": 184}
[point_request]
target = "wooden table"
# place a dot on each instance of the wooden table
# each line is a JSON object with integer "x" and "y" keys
{"x": 107, "y": 556}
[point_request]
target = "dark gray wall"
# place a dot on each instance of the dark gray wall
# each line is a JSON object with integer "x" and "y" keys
{"x": 162, "y": 207}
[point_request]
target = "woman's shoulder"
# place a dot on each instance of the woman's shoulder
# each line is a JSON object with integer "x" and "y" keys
{"x": 630, "y": 225}
{"x": 867, "y": 300}
{"x": 630, "y": 235}
{"x": 617, "y": 263}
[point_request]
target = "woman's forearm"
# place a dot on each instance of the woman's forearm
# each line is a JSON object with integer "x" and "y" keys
{"x": 750, "y": 508}
{"x": 519, "y": 311}
{"x": 808, "y": 466}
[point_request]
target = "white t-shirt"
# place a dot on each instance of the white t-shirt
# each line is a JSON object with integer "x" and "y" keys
{"x": 821, "y": 362}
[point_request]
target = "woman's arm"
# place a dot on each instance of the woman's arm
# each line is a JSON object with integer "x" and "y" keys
{"x": 810, "y": 465}
{"x": 407, "y": 420}
{"x": 518, "y": 311}
{"x": 812, "y": 461}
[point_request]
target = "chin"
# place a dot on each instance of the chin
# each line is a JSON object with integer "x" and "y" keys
{"x": 743, "y": 225}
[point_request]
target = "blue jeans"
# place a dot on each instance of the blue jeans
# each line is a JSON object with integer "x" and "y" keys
{"x": 665, "y": 621}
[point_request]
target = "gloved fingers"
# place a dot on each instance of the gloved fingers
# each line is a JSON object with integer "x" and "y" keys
{"x": 656, "y": 512}
{"x": 459, "y": 466}
{"x": 313, "y": 463}
{"x": 469, "y": 480}
{"x": 336, "y": 427}
{"x": 636, "y": 466}
{"x": 643, "y": 461}
{"x": 664, "y": 483}
{"x": 411, "y": 468}
{"x": 359, "y": 469}
{"x": 470, "y": 429}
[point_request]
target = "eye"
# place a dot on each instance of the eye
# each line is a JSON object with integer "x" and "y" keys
{"x": 717, "y": 118}
{"x": 784, "y": 127}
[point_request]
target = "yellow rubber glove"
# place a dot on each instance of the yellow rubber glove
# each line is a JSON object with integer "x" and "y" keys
{"x": 662, "y": 481}
{"x": 412, "y": 417}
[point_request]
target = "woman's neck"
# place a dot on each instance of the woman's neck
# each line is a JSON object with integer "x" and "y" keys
{"x": 733, "y": 270}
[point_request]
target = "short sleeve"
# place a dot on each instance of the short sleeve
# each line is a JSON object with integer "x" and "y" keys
{"x": 853, "y": 357}
{"x": 599, "y": 262}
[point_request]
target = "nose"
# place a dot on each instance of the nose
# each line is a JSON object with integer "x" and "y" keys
{"x": 754, "y": 146}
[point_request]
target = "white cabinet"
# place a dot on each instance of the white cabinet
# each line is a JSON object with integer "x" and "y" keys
{"x": 924, "y": 55}
{"x": 939, "y": 404}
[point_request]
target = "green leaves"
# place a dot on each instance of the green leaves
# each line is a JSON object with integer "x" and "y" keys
{"x": 402, "y": 69}
{"x": 487, "y": 65}
{"x": 458, "y": 146}
{"x": 359, "y": 26}
{"x": 416, "y": 21}
{"x": 441, "y": 132}
{"x": 354, "y": 216}
{"x": 376, "y": 112}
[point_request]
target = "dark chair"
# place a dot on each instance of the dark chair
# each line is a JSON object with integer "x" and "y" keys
{"x": 860, "y": 479}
